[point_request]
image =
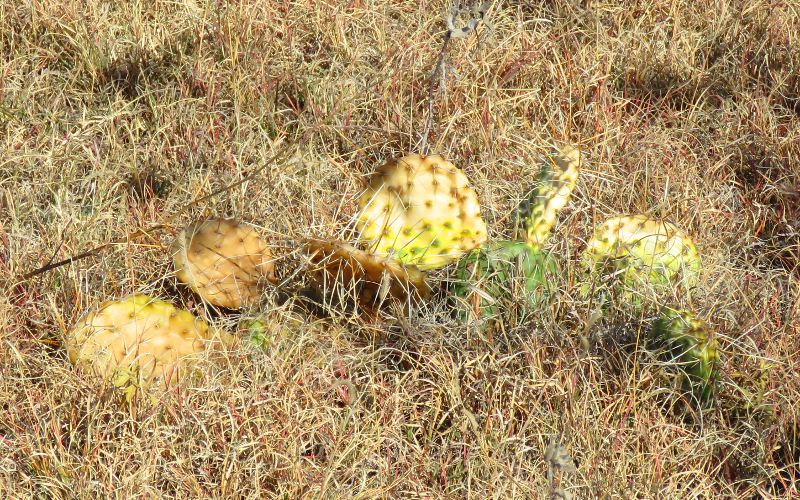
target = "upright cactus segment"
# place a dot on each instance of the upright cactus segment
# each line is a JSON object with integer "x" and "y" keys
{"x": 138, "y": 342}
{"x": 224, "y": 262}
{"x": 557, "y": 179}
{"x": 638, "y": 251}
{"x": 518, "y": 272}
{"x": 690, "y": 342}
{"x": 420, "y": 211}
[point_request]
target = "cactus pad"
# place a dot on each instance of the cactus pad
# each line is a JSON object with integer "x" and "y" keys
{"x": 498, "y": 275}
{"x": 137, "y": 342}
{"x": 223, "y": 261}
{"x": 690, "y": 341}
{"x": 369, "y": 278}
{"x": 421, "y": 211}
{"x": 557, "y": 179}
{"x": 643, "y": 251}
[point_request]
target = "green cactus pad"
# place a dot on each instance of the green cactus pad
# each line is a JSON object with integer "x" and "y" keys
{"x": 420, "y": 211}
{"x": 557, "y": 179}
{"x": 690, "y": 342}
{"x": 498, "y": 275}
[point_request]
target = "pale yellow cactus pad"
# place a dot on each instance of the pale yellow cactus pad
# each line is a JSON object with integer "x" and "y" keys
{"x": 421, "y": 211}
{"x": 224, "y": 262}
{"x": 557, "y": 180}
{"x": 370, "y": 278}
{"x": 642, "y": 249}
{"x": 138, "y": 342}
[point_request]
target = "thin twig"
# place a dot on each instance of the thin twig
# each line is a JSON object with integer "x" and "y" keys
{"x": 138, "y": 233}
{"x": 437, "y": 70}
{"x": 477, "y": 14}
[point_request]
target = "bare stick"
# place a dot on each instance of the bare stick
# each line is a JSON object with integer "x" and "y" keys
{"x": 437, "y": 70}
{"x": 134, "y": 235}
{"x": 476, "y": 14}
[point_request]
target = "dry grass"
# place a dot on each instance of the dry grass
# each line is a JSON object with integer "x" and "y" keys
{"x": 115, "y": 115}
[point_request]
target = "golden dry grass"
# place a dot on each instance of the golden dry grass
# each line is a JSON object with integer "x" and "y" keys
{"x": 115, "y": 115}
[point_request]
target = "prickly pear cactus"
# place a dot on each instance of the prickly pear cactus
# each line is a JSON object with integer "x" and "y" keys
{"x": 420, "y": 211}
{"x": 224, "y": 262}
{"x": 691, "y": 343}
{"x": 557, "y": 179}
{"x": 341, "y": 270}
{"x": 503, "y": 273}
{"x": 637, "y": 253}
{"x": 138, "y": 342}
{"x": 499, "y": 277}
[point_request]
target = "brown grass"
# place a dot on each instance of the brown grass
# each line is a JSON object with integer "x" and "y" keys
{"x": 113, "y": 116}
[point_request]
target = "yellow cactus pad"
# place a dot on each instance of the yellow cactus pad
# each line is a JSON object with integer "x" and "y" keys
{"x": 138, "y": 341}
{"x": 372, "y": 279}
{"x": 643, "y": 250}
{"x": 421, "y": 211}
{"x": 223, "y": 261}
{"x": 557, "y": 180}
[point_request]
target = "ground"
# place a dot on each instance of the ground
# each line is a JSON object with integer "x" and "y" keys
{"x": 116, "y": 115}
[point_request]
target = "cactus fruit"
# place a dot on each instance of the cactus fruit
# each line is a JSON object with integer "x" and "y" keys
{"x": 557, "y": 179}
{"x": 690, "y": 341}
{"x": 420, "y": 211}
{"x": 486, "y": 277}
{"x": 223, "y": 261}
{"x": 643, "y": 251}
{"x": 370, "y": 278}
{"x": 138, "y": 342}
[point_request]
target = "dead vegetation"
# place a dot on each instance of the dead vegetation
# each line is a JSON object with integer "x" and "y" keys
{"x": 113, "y": 116}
